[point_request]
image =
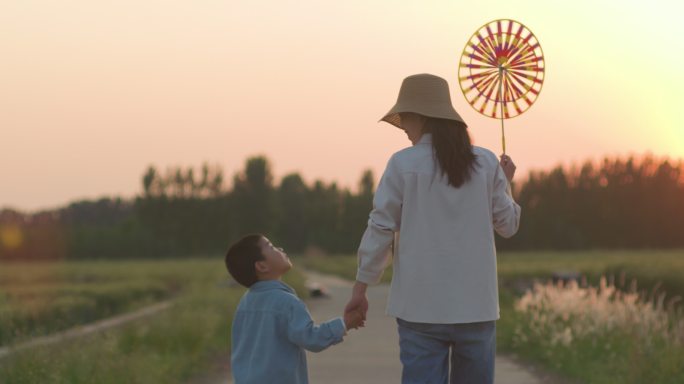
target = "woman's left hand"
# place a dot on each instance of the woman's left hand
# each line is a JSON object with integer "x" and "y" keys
{"x": 508, "y": 167}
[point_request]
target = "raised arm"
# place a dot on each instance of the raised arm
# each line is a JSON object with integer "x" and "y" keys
{"x": 505, "y": 211}
{"x": 303, "y": 332}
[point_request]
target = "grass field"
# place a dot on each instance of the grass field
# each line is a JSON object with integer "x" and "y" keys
{"x": 41, "y": 298}
{"x": 176, "y": 344}
{"x": 609, "y": 355}
{"x": 169, "y": 347}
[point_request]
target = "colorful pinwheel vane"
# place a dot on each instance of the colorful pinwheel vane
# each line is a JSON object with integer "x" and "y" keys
{"x": 501, "y": 71}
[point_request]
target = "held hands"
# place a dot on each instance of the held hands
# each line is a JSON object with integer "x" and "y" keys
{"x": 357, "y": 306}
{"x": 508, "y": 167}
{"x": 354, "y": 319}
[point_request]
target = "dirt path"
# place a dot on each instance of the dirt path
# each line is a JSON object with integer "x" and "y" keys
{"x": 371, "y": 355}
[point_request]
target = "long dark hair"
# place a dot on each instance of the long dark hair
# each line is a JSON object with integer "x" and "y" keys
{"x": 452, "y": 148}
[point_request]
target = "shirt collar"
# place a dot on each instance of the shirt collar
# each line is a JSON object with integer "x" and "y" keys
{"x": 268, "y": 285}
{"x": 425, "y": 139}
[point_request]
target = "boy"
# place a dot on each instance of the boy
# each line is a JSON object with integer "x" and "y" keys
{"x": 272, "y": 327}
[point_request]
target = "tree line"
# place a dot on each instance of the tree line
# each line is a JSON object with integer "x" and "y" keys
{"x": 617, "y": 203}
{"x": 189, "y": 212}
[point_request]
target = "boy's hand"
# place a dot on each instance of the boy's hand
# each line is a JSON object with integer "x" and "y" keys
{"x": 353, "y": 319}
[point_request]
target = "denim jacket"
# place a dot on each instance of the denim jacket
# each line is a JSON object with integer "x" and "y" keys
{"x": 271, "y": 329}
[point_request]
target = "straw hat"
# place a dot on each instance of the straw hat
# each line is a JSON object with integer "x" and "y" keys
{"x": 425, "y": 94}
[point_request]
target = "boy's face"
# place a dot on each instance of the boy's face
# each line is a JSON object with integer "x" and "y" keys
{"x": 275, "y": 262}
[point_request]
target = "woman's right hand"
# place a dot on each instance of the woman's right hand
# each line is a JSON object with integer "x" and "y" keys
{"x": 353, "y": 319}
{"x": 508, "y": 167}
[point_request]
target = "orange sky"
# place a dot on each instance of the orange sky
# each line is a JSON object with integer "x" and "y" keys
{"x": 92, "y": 92}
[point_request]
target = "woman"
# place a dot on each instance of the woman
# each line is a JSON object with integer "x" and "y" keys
{"x": 447, "y": 197}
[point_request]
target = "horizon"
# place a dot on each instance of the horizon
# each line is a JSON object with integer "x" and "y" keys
{"x": 96, "y": 93}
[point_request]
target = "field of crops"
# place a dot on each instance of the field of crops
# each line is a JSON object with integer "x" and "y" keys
{"x": 41, "y": 298}
{"x": 169, "y": 347}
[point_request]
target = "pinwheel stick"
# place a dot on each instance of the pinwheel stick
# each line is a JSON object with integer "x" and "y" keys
{"x": 501, "y": 101}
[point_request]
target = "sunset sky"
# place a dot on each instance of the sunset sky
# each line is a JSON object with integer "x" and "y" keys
{"x": 92, "y": 91}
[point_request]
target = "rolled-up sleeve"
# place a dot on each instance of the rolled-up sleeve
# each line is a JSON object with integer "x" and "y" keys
{"x": 303, "y": 332}
{"x": 505, "y": 211}
{"x": 385, "y": 219}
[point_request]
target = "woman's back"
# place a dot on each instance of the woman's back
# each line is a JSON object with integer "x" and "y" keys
{"x": 446, "y": 250}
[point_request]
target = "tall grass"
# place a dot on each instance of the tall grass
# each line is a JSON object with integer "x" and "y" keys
{"x": 619, "y": 335}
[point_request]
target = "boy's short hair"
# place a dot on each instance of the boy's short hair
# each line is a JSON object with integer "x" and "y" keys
{"x": 241, "y": 257}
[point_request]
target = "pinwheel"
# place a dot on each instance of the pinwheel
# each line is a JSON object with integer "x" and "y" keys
{"x": 501, "y": 71}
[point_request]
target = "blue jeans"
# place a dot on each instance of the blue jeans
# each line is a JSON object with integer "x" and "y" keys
{"x": 424, "y": 352}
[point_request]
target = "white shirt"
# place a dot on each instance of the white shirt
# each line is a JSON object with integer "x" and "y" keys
{"x": 445, "y": 262}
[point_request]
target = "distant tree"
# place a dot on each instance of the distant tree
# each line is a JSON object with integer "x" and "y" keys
{"x": 215, "y": 185}
{"x": 324, "y": 209}
{"x": 293, "y": 226}
{"x": 254, "y": 198}
{"x": 148, "y": 180}
{"x": 191, "y": 184}
{"x": 367, "y": 184}
{"x": 355, "y": 211}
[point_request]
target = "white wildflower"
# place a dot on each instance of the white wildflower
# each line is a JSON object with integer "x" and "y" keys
{"x": 565, "y": 312}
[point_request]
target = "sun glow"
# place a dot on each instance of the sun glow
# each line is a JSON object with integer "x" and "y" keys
{"x": 11, "y": 237}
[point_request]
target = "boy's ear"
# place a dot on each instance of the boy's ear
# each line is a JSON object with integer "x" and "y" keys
{"x": 261, "y": 267}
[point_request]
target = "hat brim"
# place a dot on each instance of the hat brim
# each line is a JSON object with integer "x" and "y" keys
{"x": 437, "y": 111}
